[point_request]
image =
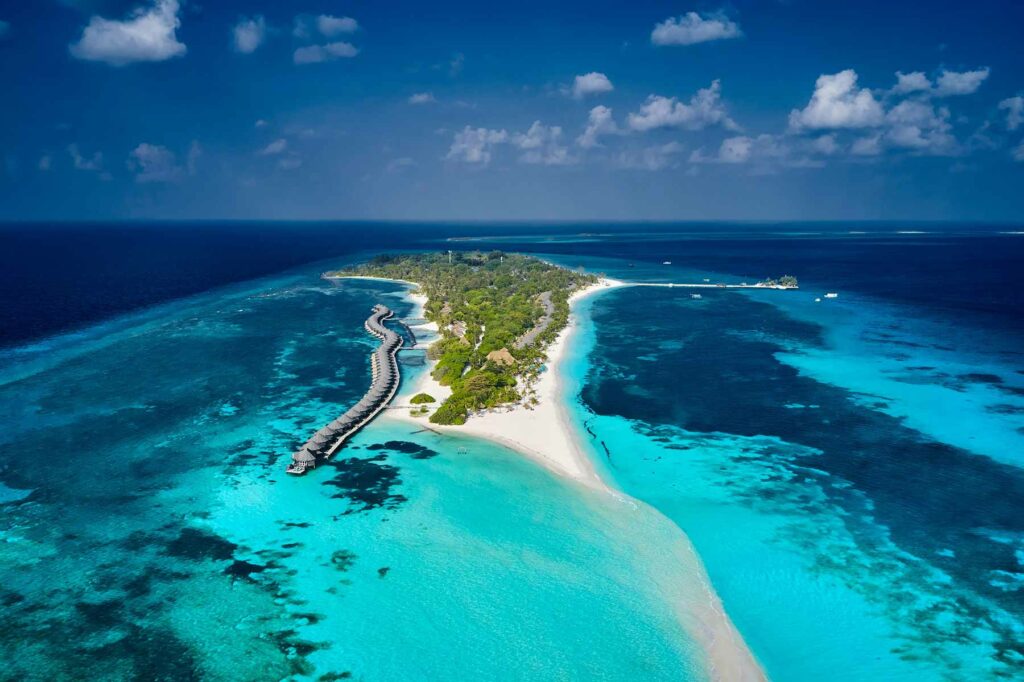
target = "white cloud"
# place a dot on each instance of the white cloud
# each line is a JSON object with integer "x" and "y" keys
{"x": 907, "y": 83}
{"x": 94, "y": 163}
{"x": 592, "y": 83}
{"x": 290, "y": 162}
{"x": 837, "y": 102}
{"x": 1018, "y": 152}
{"x": 249, "y": 34}
{"x": 331, "y": 26}
{"x": 692, "y": 28}
{"x": 599, "y": 122}
{"x": 735, "y": 150}
{"x": 542, "y": 145}
{"x": 704, "y": 109}
{"x": 422, "y": 98}
{"x": 826, "y": 144}
{"x": 1014, "y": 107}
{"x": 148, "y": 35}
{"x": 261, "y": 123}
{"x": 869, "y": 145}
{"x": 313, "y": 54}
{"x": 45, "y": 162}
{"x": 960, "y": 83}
{"x": 274, "y": 148}
{"x": 919, "y": 126}
{"x": 653, "y": 158}
{"x": 153, "y": 163}
{"x": 474, "y": 145}
{"x": 743, "y": 149}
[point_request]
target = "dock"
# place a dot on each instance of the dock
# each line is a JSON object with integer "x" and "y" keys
{"x": 383, "y": 385}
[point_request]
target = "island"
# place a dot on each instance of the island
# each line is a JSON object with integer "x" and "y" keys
{"x": 495, "y": 313}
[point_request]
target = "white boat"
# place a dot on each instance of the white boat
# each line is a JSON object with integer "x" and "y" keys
{"x": 666, "y": 262}
{"x": 695, "y": 296}
{"x": 831, "y": 295}
{"x": 817, "y": 300}
{"x": 706, "y": 279}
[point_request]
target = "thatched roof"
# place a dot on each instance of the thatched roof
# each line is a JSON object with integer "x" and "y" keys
{"x": 501, "y": 357}
{"x": 304, "y": 456}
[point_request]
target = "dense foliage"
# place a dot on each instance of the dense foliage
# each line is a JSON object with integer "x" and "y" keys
{"x": 421, "y": 398}
{"x": 483, "y": 302}
{"x": 786, "y": 281}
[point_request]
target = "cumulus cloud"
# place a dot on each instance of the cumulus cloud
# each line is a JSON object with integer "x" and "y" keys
{"x": 960, "y": 83}
{"x": 45, "y": 162}
{"x": 83, "y": 163}
{"x": 592, "y": 83}
{"x": 248, "y": 34}
{"x": 692, "y": 28}
{"x": 542, "y": 145}
{"x": 1014, "y": 107}
{"x": 837, "y": 102}
{"x": 475, "y": 145}
{"x": 332, "y": 26}
{"x": 869, "y": 145}
{"x": 1018, "y": 152}
{"x": 826, "y": 144}
{"x": 704, "y": 109}
{"x": 422, "y": 98}
{"x": 314, "y": 54}
{"x": 654, "y": 158}
{"x": 907, "y": 83}
{"x": 921, "y": 127}
{"x": 274, "y": 148}
{"x": 153, "y": 163}
{"x": 147, "y": 35}
{"x": 599, "y": 123}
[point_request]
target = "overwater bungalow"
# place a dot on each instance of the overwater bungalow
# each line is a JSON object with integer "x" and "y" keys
{"x": 384, "y": 383}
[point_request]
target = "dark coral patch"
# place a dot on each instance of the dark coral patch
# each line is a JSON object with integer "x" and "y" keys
{"x": 405, "y": 447}
{"x": 343, "y": 559}
{"x": 243, "y": 569}
{"x": 366, "y": 483}
{"x": 195, "y": 544}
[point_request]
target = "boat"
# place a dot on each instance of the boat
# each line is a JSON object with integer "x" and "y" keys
{"x": 695, "y": 296}
{"x": 706, "y": 279}
{"x": 666, "y": 262}
{"x": 831, "y": 295}
{"x": 817, "y": 300}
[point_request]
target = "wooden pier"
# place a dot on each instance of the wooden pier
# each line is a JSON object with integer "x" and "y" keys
{"x": 383, "y": 385}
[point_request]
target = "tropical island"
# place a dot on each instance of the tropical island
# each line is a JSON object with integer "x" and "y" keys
{"x": 495, "y": 313}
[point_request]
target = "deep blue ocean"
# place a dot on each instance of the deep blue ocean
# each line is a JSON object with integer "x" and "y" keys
{"x": 849, "y": 470}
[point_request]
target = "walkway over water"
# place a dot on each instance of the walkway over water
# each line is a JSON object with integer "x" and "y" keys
{"x": 385, "y": 378}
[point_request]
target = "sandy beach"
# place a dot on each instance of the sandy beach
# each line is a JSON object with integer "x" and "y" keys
{"x": 543, "y": 432}
{"x": 546, "y": 434}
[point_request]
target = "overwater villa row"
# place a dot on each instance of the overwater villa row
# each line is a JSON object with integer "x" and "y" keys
{"x": 384, "y": 383}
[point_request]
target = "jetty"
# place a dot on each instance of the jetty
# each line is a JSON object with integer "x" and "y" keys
{"x": 383, "y": 385}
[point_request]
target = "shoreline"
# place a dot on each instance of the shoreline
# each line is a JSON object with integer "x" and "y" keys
{"x": 547, "y": 435}
{"x": 542, "y": 433}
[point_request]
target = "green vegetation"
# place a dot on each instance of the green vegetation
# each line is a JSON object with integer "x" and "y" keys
{"x": 786, "y": 282}
{"x": 483, "y": 302}
{"x": 421, "y": 398}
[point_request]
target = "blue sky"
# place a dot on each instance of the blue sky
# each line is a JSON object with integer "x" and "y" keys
{"x": 752, "y": 110}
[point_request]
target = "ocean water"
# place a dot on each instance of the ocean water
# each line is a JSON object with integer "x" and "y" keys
{"x": 149, "y": 531}
{"x": 848, "y": 470}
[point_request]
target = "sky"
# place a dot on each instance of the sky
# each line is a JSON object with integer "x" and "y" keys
{"x": 322, "y": 109}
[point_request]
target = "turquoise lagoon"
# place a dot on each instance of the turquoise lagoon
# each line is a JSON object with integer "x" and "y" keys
{"x": 848, "y": 472}
{"x": 149, "y": 530}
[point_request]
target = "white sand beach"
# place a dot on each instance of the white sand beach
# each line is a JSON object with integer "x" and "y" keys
{"x": 543, "y": 432}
